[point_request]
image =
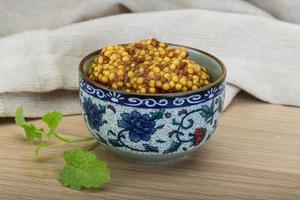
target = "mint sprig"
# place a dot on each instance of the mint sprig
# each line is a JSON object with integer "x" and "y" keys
{"x": 82, "y": 169}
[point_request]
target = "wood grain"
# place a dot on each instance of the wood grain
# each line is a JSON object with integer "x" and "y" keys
{"x": 255, "y": 154}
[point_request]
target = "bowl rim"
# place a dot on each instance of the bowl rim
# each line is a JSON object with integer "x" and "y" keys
{"x": 217, "y": 82}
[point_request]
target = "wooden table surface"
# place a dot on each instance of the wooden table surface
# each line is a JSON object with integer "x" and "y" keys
{"x": 254, "y": 154}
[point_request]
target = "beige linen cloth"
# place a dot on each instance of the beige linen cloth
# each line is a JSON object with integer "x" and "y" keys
{"x": 42, "y": 42}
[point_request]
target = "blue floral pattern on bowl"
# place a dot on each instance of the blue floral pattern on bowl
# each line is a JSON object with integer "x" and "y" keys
{"x": 152, "y": 129}
{"x": 93, "y": 113}
{"x": 139, "y": 127}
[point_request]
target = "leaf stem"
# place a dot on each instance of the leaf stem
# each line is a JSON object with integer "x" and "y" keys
{"x": 83, "y": 139}
{"x": 91, "y": 146}
{"x": 49, "y": 145}
{"x": 61, "y": 137}
{"x": 68, "y": 137}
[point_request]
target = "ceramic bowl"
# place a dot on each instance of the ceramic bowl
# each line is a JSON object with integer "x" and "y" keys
{"x": 153, "y": 128}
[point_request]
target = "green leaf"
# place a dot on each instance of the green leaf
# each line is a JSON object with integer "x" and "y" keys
{"x": 173, "y": 147}
{"x": 19, "y": 118}
{"x": 52, "y": 119}
{"x": 31, "y": 132}
{"x": 83, "y": 170}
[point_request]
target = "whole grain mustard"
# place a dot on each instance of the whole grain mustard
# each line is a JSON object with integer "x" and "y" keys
{"x": 148, "y": 66}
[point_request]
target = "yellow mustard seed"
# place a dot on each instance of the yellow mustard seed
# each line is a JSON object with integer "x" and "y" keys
{"x": 172, "y": 84}
{"x": 114, "y": 86}
{"x": 182, "y": 54}
{"x": 166, "y": 69}
{"x": 125, "y": 59}
{"x": 111, "y": 76}
{"x": 171, "y": 54}
{"x": 105, "y": 66}
{"x": 104, "y": 79}
{"x": 167, "y": 75}
{"x": 195, "y": 82}
{"x": 156, "y": 69}
{"x": 124, "y": 54}
{"x": 204, "y": 76}
{"x": 143, "y": 90}
{"x": 166, "y": 86}
{"x": 152, "y": 90}
{"x": 142, "y": 52}
{"x": 183, "y": 81}
{"x": 201, "y": 82}
{"x": 175, "y": 62}
{"x": 107, "y": 53}
{"x": 190, "y": 71}
{"x": 151, "y": 74}
{"x": 167, "y": 59}
{"x": 147, "y": 66}
{"x": 130, "y": 74}
{"x": 121, "y": 67}
{"x": 195, "y": 77}
{"x": 119, "y": 83}
{"x": 172, "y": 66}
{"x": 161, "y": 73}
{"x": 175, "y": 78}
{"x": 106, "y": 72}
{"x": 96, "y": 69}
{"x": 158, "y": 84}
{"x": 100, "y": 60}
{"x": 140, "y": 80}
{"x": 113, "y": 57}
{"x": 189, "y": 84}
{"x": 178, "y": 86}
{"x": 132, "y": 81}
{"x": 152, "y": 83}
{"x": 120, "y": 72}
{"x": 111, "y": 67}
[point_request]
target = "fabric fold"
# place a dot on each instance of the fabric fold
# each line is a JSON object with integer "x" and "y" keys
{"x": 40, "y": 67}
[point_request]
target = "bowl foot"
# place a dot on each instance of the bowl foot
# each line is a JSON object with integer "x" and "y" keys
{"x": 154, "y": 162}
{"x": 151, "y": 159}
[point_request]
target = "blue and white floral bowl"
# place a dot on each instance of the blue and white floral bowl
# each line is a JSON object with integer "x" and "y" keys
{"x": 153, "y": 128}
